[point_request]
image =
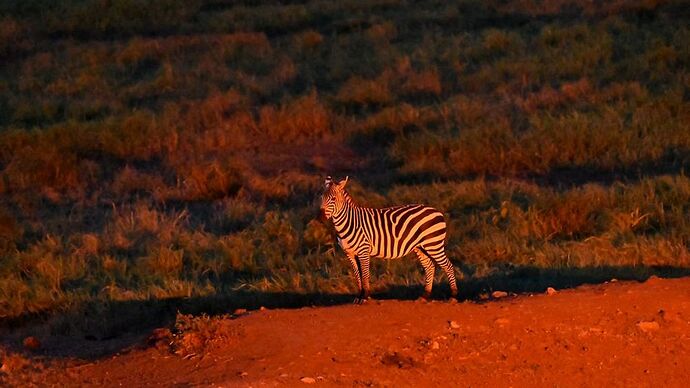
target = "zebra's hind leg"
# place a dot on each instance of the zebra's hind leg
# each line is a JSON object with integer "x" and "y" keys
{"x": 440, "y": 258}
{"x": 429, "y": 271}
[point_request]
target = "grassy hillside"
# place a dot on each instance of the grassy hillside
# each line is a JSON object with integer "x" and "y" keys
{"x": 177, "y": 148}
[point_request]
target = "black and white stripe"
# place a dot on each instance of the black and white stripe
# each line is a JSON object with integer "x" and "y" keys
{"x": 388, "y": 233}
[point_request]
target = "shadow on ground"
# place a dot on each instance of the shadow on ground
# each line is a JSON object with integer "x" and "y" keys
{"x": 100, "y": 329}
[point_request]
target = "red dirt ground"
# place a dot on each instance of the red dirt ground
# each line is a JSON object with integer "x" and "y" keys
{"x": 619, "y": 333}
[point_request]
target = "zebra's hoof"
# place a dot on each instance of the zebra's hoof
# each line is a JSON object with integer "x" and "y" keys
{"x": 453, "y": 300}
{"x": 359, "y": 301}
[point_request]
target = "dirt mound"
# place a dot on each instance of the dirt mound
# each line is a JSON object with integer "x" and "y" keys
{"x": 625, "y": 333}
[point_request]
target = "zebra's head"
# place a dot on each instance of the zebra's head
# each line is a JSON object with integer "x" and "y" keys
{"x": 333, "y": 197}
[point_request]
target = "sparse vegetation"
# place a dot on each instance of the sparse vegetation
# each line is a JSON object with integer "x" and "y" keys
{"x": 177, "y": 150}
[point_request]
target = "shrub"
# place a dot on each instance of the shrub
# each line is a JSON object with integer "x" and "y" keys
{"x": 305, "y": 118}
{"x": 360, "y": 91}
{"x": 425, "y": 82}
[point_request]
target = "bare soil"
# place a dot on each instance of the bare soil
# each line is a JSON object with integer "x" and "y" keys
{"x": 618, "y": 333}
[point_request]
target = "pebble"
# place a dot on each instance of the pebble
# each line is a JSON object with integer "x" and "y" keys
{"x": 454, "y": 325}
{"x": 435, "y": 345}
{"x": 648, "y": 326}
{"x": 499, "y": 294}
{"x": 502, "y": 321}
{"x": 551, "y": 291}
{"x": 240, "y": 311}
{"x": 308, "y": 380}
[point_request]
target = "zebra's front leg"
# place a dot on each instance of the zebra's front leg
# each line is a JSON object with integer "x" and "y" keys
{"x": 355, "y": 274}
{"x": 364, "y": 269}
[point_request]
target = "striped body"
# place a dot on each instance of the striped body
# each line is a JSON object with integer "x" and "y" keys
{"x": 392, "y": 232}
{"x": 388, "y": 233}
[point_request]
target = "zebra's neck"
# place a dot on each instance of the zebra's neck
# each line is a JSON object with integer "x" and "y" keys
{"x": 341, "y": 218}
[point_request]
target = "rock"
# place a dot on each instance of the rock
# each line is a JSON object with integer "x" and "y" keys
{"x": 435, "y": 346}
{"x": 502, "y": 321}
{"x": 551, "y": 291}
{"x": 308, "y": 380}
{"x": 31, "y": 343}
{"x": 244, "y": 374}
{"x": 614, "y": 280}
{"x": 648, "y": 326}
{"x": 669, "y": 316}
{"x": 240, "y": 312}
{"x": 454, "y": 325}
{"x": 499, "y": 294}
{"x": 262, "y": 308}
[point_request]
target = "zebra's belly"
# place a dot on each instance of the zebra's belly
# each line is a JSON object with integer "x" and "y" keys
{"x": 389, "y": 256}
{"x": 351, "y": 249}
{"x": 387, "y": 248}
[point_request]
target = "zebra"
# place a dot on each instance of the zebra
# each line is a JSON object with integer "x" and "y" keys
{"x": 387, "y": 233}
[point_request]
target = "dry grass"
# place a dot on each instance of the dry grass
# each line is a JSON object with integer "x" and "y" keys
{"x": 179, "y": 151}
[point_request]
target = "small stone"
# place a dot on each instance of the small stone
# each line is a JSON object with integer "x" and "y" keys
{"x": 240, "y": 312}
{"x": 669, "y": 317}
{"x": 262, "y": 308}
{"x": 502, "y": 321}
{"x": 244, "y": 374}
{"x": 648, "y": 326}
{"x": 551, "y": 291}
{"x": 308, "y": 380}
{"x": 499, "y": 294}
{"x": 614, "y": 280}
{"x": 31, "y": 343}
{"x": 435, "y": 346}
{"x": 454, "y": 325}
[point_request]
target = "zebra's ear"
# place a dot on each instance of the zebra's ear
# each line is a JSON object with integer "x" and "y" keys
{"x": 342, "y": 183}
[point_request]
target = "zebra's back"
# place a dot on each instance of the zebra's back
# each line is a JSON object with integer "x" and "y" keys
{"x": 393, "y": 232}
